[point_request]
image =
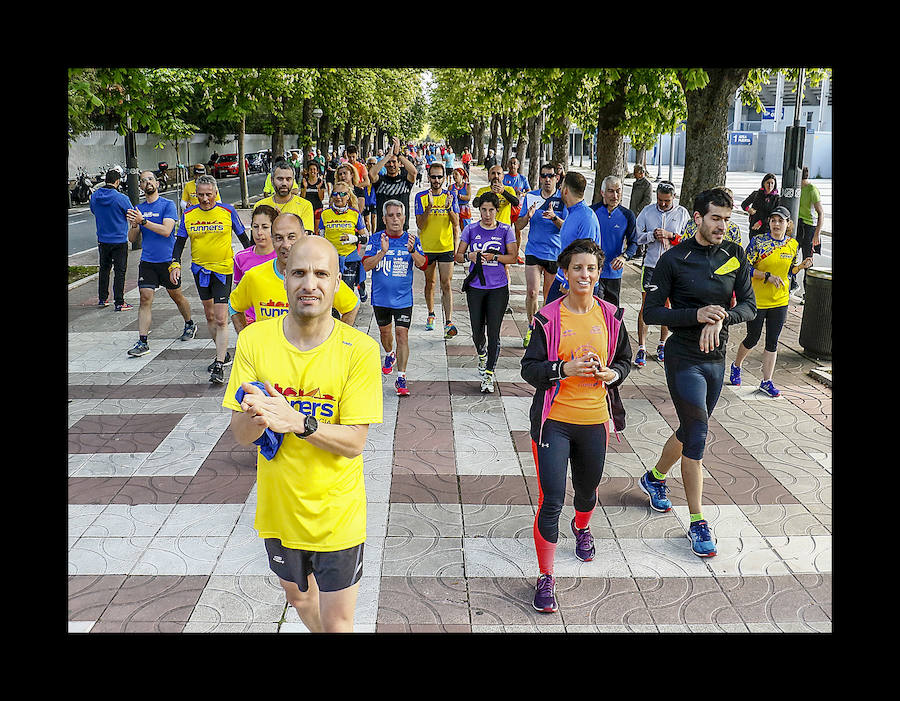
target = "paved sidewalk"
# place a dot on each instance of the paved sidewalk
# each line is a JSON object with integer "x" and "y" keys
{"x": 161, "y": 499}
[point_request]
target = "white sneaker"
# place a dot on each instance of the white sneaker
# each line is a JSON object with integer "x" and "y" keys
{"x": 487, "y": 382}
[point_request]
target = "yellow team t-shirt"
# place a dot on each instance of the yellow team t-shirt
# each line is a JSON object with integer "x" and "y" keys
{"x": 333, "y": 225}
{"x": 437, "y": 234}
{"x": 581, "y": 400}
{"x": 309, "y": 498}
{"x": 189, "y": 193}
{"x": 296, "y": 205}
{"x": 210, "y": 232}
{"x": 767, "y": 255}
{"x": 505, "y": 211}
{"x": 262, "y": 289}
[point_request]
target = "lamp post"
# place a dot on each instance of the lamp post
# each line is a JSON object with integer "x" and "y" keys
{"x": 317, "y": 113}
{"x": 792, "y": 167}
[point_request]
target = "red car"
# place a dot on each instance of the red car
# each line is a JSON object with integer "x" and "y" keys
{"x": 228, "y": 165}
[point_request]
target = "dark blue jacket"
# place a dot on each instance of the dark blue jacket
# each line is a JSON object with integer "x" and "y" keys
{"x": 616, "y": 228}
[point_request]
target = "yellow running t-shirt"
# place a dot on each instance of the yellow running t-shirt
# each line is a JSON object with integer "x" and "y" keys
{"x": 296, "y": 205}
{"x": 504, "y": 214}
{"x": 210, "y": 232}
{"x": 307, "y": 497}
{"x": 437, "y": 234}
{"x": 581, "y": 400}
{"x": 333, "y": 225}
{"x": 189, "y": 194}
{"x": 262, "y": 289}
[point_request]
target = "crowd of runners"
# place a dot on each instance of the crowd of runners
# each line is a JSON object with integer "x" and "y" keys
{"x": 333, "y": 233}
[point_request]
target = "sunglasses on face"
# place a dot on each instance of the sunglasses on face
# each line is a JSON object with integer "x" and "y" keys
{"x": 340, "y": 194}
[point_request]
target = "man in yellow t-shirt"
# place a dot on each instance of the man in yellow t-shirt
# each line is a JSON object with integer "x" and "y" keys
{"x": 210, "y": 226}
{"x": 284, "y": 200}
{"x": 437, "y": 216}
{"x": 262, "y": 288}
{"x": 189, "y": 193}
{"x": 507, "y": 195}
{"x": 320, "y": 390}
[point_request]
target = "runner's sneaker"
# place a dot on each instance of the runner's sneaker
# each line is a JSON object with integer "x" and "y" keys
{"x": 450, "y": 330}
{"x": 190, "y": 330}
{"x": 702, "y": 543}
{"x": 429, "y": 323}
{"x": 102, "y": 303}
{"x": 400, "y": 386}
{"x": 217, "y": 374}
{"x": 661, "y": 351}
{"x": 228, "y": 360}
{"x": 487, "y": 382}
{"x": 140, "y": 348}
{"x": 641, "y": 358}
{"x": 545, "y": 594}
{"x": 124, "y": 307}
{"x": 527, "y": 339}
{"x": 735, "y": 375}
{"x": 770, "y": 389}
{"x": 656, "y": 490}
{"x": 388, "y": 365}
{"x": 584, "y": 543}
{"x": 482, "y": 364}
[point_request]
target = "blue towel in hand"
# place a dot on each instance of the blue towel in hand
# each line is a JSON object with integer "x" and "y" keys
{"x": 270, "y": 441}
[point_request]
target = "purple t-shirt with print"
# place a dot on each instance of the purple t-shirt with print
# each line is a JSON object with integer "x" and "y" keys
{"x": 496, "y": 240}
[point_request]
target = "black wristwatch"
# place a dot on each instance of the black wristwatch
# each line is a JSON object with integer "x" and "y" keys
{"x": 309, "y": 427}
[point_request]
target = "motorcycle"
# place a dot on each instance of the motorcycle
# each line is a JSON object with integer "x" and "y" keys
{"x": 83, "y": 189}
{"x": 162, "y": 175}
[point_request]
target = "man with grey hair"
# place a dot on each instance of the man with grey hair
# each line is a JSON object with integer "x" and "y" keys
{"x": 391, "y": 254}
{"x": 617, "y": 227}
{"x": 211, "y": 225}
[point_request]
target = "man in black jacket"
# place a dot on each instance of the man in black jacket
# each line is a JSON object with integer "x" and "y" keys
{"x": 699, "y": 277}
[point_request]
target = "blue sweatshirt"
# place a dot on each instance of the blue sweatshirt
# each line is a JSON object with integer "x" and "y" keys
{"x": 109, "y": 207}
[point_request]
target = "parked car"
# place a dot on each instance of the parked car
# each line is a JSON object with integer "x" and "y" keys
{"x": 255, "y": 160}
{"x": 228, "y": 165}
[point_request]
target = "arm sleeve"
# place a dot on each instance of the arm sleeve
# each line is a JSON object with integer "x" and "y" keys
{"x": 537, "y": 370}
{"x": 621, "y": 363}
{"x": 179, "y": 247}
{"x": 641, "y": 234}
{"x": 631, "y": 248}
{"x": 745, "y": 308}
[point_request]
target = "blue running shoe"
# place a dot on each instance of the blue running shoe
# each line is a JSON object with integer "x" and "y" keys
{"x": 735, "y": 375}
{"x": 641, "y": 358}
{"x": 661, "y": 352}
{"x": 770, "y": 389}
{"x": 388, "y": 365}
{"x": 545, "y": 594}
{"x": 429, "y": 323}
{"x": 584, "y": 543}
{"x": 701, "y": 539}
{"x": 657, "y": 493}
{"x": 400, "y": 386}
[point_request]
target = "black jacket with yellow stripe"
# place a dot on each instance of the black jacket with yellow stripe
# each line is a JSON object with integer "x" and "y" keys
{"x": 692, "y": 276}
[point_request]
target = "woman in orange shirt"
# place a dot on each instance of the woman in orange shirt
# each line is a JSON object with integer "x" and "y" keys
{"x": 578, "y": 355}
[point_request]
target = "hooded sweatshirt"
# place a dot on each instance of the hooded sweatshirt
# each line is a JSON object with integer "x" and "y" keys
{"x": 651, "y": 218}
{"x": 109, "y": 206}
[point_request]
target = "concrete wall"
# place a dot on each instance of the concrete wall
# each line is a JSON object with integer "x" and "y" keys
{"x": 764, "y": 155}
{"x": 99, "y": 148}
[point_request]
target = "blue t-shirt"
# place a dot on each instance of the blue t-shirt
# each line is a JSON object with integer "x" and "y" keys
{"x": 616, "y": 228}
{"x": 156, "y": 248}
{"x": 543, "y": 236}
{"x": 392, "y": 278}
{"x": 519, "y": 182}
{"x": 581, "y": 223}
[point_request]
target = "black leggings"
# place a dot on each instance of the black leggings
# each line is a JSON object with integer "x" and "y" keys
{"x": 585, "y": 447}
{"x": 774, "y": 320}
{"x": 695, "y": 388}
{"x": 113, "y": 257}
{"x": 486, "y": 310}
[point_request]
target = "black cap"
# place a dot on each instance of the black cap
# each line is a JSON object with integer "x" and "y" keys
{"x": 781, "y": 212}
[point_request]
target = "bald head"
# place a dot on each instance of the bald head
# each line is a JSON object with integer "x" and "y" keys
{"x": 313, "y": 248}
{"x": 311, "y": 278}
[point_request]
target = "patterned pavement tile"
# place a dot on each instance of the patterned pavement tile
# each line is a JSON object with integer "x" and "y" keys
{"x": 162, "y": 498}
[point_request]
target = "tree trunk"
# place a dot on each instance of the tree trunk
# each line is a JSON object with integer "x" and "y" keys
{"x": 610, "y": 143}
{"x": 347, "y": 135}
{"x": 242, "y": 127}
{"x": 535, "y": 129}
{"x": 304, "y": 138}
{"x": 506, "y": 133}
{"x": 495, "y": 123}
{"x": 706, "y": 132}
{"x": 478, "y": 141}
{"x": 560, "y": 143}
{"x": 522, "y": 146}
{"x": 277, "y": 142}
